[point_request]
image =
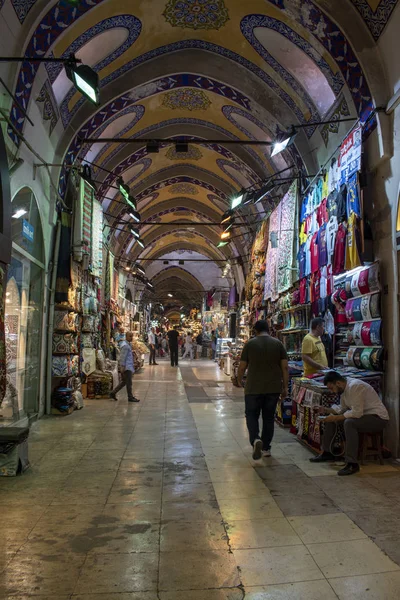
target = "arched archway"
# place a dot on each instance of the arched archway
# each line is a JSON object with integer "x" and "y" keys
{"x": 24, "y": 305}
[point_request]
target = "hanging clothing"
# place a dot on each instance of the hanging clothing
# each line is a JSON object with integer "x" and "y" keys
{"x": 353, "y": 243}
{"x": 340, "y": 250}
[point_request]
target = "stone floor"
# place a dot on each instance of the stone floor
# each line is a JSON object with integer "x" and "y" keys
{"x": 162, "y": 501}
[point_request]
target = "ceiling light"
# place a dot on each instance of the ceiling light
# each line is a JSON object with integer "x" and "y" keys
{"x": 140, "y": 269}
{"x": 170, "y": 296}
{"x": 140, "y": 242}
{"x": 222, "y": 244}
{"x": 248, "y": 197}
{"x": 124, "y": 189}
{"x": 285, "y": 140}
{"x": 225, "y": 235}
{"x": 135, "y": 216}
{"x": 85, "y": 79}
{"x": 19, "y": 213}
{"x": 237, "y": 200}
{"x": 152, "y": 147}
{"x": 135, "y": 233}
{"x": 227, "y": 216}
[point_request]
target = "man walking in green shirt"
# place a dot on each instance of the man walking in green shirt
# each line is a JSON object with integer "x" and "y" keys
{"x": 266, "y": 360}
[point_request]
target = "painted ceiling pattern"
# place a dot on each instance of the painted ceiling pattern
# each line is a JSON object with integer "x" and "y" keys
{"x": 210, "y": 69}
{"x": 196, "y": 14}
{"x": 375, "y": 14}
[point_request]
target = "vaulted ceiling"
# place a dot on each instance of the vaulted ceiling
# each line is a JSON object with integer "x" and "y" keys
{"x": 196, "y": 69}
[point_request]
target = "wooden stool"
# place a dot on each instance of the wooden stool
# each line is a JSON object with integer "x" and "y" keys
{"x": 370, "y": 446}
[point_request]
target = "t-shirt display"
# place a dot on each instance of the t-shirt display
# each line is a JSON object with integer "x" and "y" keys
{"x": 353, "y": 259}
{"x": 340, "y": 250}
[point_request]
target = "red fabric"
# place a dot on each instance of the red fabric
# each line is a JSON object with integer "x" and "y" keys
{"x": 366, "y": 333}
{"x": 315, "y": 253}
{"x": 340, "y": 250}
{"x": 322, "y": 213}
{"x": 316, "y": 278}
{"x": 303, "y": 292}
{"x": 363, "y": 282}
{"x": 329, "y": 281}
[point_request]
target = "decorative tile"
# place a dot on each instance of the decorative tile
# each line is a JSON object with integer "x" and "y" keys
{"x": 196, "y": 14}
{"x": 186, "y": 99}
{"x": 193, "y": 153}
{"x": 53, "y": 24}
{"x": 310, "y": 16}
{"x": 129, "y": 22}
{"x": 341, "y": 110}
{"x": 49, "y": 105}
{"x": 183, "y": 188}
{"x": 22, "y": 8}
{"x": 251, "y": 22}
{"x": 376, "y": 17}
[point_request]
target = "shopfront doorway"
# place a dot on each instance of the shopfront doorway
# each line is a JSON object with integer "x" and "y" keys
{"x": 24, "y": 301}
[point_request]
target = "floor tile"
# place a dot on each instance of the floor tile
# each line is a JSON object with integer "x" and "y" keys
{"x": 236, "y": 489}
{"x": 307, "y": 590}
{"x": 305, "y": 504}
{"x": 46, "y": 574}
{"x": 378, "y": 521}
{"x": 193, "y": 536}
{"x": 259, "y": 507}
{"x": 207, "y": 594}
{"x": 191, "y": 511}
{"x": 385, "y": 586}
{"x": 390, "y": 546}
{"x": 261, "y": 534}
{"x": 342, "y": 559}
{"x": 105, "y": 573}
{"x": 322, "y": 528}
{"x": 197, "y": 570}
{"x": 189, "y": 492}
{"x": 268, "y": 566}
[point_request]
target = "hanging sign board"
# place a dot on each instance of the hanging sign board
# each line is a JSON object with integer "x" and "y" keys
{"x": 28, "y": 231}
{"x": 349, "y": 161}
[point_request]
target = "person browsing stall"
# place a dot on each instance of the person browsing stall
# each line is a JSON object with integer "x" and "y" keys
{"x": 313, "y": 350}
{"x": 152, "y": 344}
{"x": 361, "y": 410}
{"x": 127, "y": 368}
{"x": 266, "y": 361}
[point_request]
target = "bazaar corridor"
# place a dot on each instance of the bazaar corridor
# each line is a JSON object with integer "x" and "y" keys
{"x": 161, "y": 501}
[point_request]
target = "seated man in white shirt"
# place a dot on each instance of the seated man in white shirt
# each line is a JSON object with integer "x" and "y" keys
{"x": 361, "y": 411}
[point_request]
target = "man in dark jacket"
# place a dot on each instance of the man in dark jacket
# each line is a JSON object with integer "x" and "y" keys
{"x": 173, "y": 337}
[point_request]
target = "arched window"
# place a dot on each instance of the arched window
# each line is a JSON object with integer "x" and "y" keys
{"x": 24, "y": 307}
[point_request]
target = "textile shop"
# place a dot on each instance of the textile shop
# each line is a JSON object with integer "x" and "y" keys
{"x": 91, "y": 309}
{"x": 313, "y": 257}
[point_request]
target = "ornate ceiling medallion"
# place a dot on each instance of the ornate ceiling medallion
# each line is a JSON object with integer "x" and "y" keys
{"x": 183, "y": 188}
{"x": 196, "y": 14}
{"x": 192, "y": 154}
{"x": 186, "y": 99}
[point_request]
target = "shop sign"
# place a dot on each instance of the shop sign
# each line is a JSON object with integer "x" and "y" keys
{"x": 350, "y": 155}
{"x": 28, "y": 231}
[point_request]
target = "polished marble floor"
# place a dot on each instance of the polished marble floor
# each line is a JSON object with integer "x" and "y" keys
{"x": 162, "y": 501}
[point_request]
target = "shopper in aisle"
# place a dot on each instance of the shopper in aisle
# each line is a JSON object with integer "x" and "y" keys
{"x": 152, "y": 344}
{"x": 313, "y": 350}
{"x": 199, "y": 344}
{"x": 266, "y": 361}
{"x": 127, "y": 368}
{"x": 173, "y": 341}
{"x": 188, "y": 346}
{"x": 213, "y": 344}
{"x": 361, "y": 410}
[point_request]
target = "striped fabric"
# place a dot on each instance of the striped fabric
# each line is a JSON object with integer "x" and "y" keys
{"x": 87, "y": 194}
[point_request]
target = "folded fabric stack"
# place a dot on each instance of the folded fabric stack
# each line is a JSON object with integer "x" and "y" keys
{"x": 62, "y": 399}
